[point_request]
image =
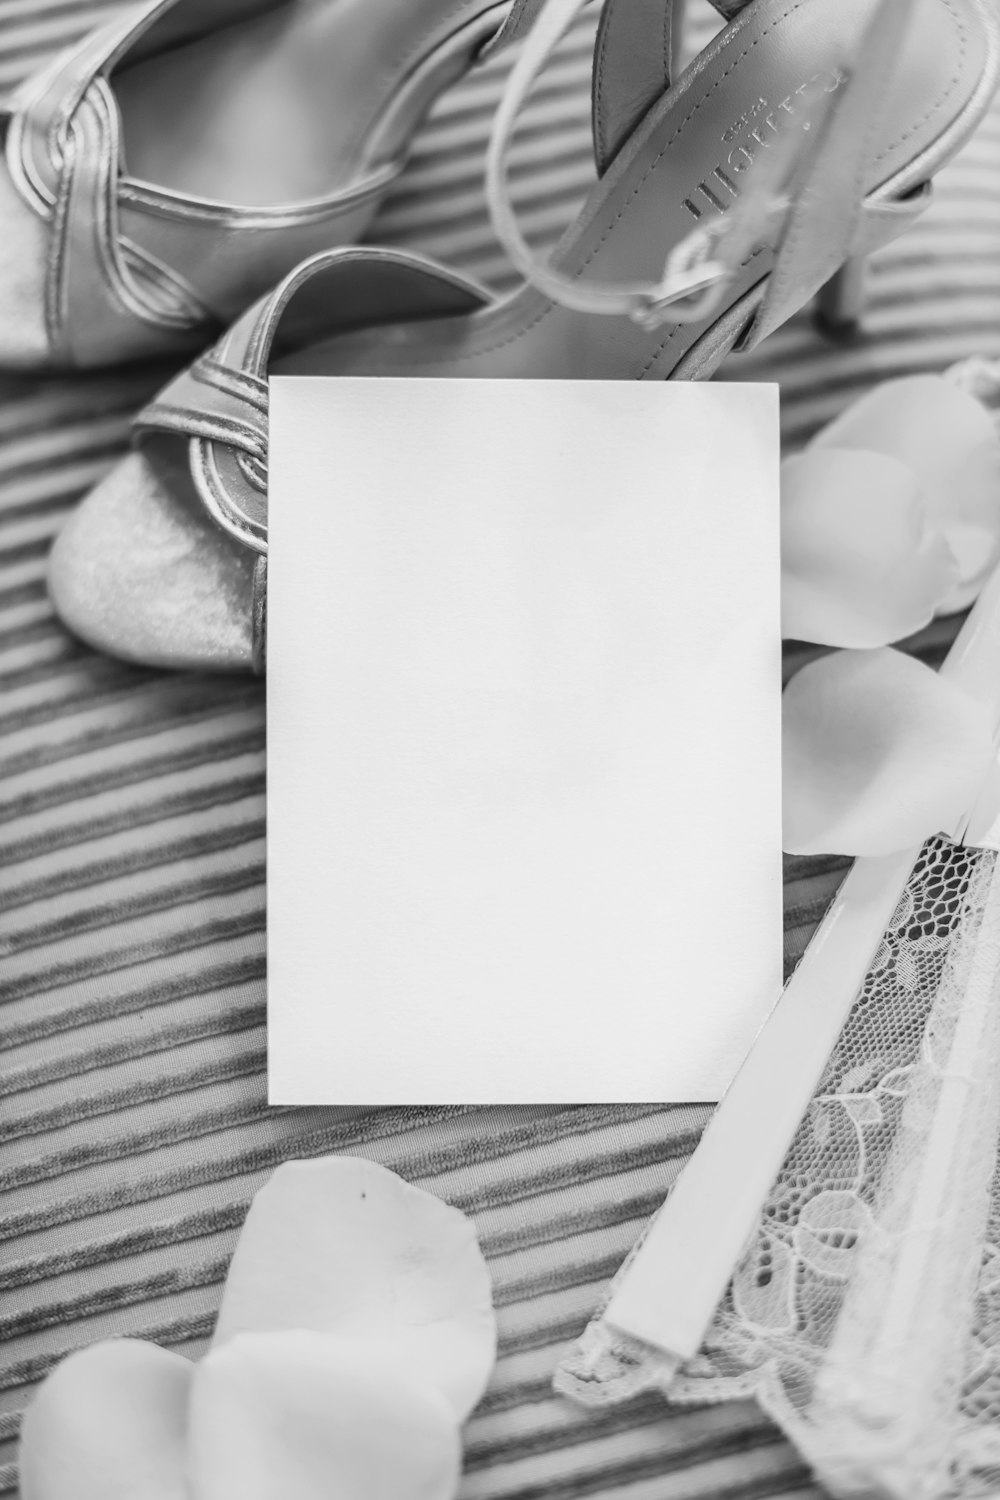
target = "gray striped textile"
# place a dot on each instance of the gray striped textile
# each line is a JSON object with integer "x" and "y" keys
{"x": 134, "y": 1128}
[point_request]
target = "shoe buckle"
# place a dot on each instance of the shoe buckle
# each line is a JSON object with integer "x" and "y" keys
{"x": 694, "y": 275}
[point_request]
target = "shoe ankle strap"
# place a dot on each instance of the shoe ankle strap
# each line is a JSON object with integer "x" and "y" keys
{"x": 805, "y": 193}
{"x": 636, "y": 53}
{"x": 523, "y": 13}
{"x": 698, "y": 268}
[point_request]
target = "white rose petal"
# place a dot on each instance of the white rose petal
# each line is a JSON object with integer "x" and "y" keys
{"x": 109, "y": 1424}
{"x": 934, "y": 428}
{"x": 976, "y": 550}
{"x": 879, "y": 753}
{"x": 303, "y": 1416}
{"x": 343, "y": 1246}
{"x": 948, "y": 439}
{"x": 860, "y": 566}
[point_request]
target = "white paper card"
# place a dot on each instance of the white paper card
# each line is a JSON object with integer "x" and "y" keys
{"x": 523, "y": 739}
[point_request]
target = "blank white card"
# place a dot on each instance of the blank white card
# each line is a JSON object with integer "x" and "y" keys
{"x": 523, "y": 739}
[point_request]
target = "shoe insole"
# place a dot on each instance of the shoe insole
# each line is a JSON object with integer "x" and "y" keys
{"x": 275, "y": 108}
{"x": 682, "y": 165}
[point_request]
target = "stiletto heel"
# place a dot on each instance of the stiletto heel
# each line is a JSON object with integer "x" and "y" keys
{"x": 840, "y": 302}
{"x": 804, "y": 135}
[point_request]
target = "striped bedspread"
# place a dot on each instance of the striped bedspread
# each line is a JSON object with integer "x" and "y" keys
{"x": 134, "y": 1127}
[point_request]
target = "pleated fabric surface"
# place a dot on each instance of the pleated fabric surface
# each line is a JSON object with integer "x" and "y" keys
{"x": 134, "y": 1127}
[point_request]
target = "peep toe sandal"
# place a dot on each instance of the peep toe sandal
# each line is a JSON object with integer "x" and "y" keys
{"x": 160, "y": 175}
{"x": 804, "y": 136}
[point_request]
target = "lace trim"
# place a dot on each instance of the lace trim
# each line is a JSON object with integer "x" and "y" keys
{"x": 865, "y": 1313}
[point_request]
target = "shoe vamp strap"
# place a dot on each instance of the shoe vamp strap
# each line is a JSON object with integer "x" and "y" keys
{"x": 220, "y": 403}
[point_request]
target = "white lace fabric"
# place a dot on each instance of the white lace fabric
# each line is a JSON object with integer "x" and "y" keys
{"x": 864, "y": 1315}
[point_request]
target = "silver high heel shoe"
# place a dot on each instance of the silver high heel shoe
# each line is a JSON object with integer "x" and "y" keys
{"x": 162, "y": 173}
{"x": 804, "y": 136}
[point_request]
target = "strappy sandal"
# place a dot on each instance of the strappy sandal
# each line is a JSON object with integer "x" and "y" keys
{"x": 776, "y": 158}
{"x": 164, "y": 172}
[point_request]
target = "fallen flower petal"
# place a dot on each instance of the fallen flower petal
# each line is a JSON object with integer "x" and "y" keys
{"x": 932, "y": 426}
{"x": 880, "y": 752}
{"x": 343, "y": 1246}
{"x": 378, "y": 1337}
{"x": 860, "y": 566}
{"x": 301, "y": 1415}
{"x": 949, "y": 441}
{"x": 109, "y": 1424}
